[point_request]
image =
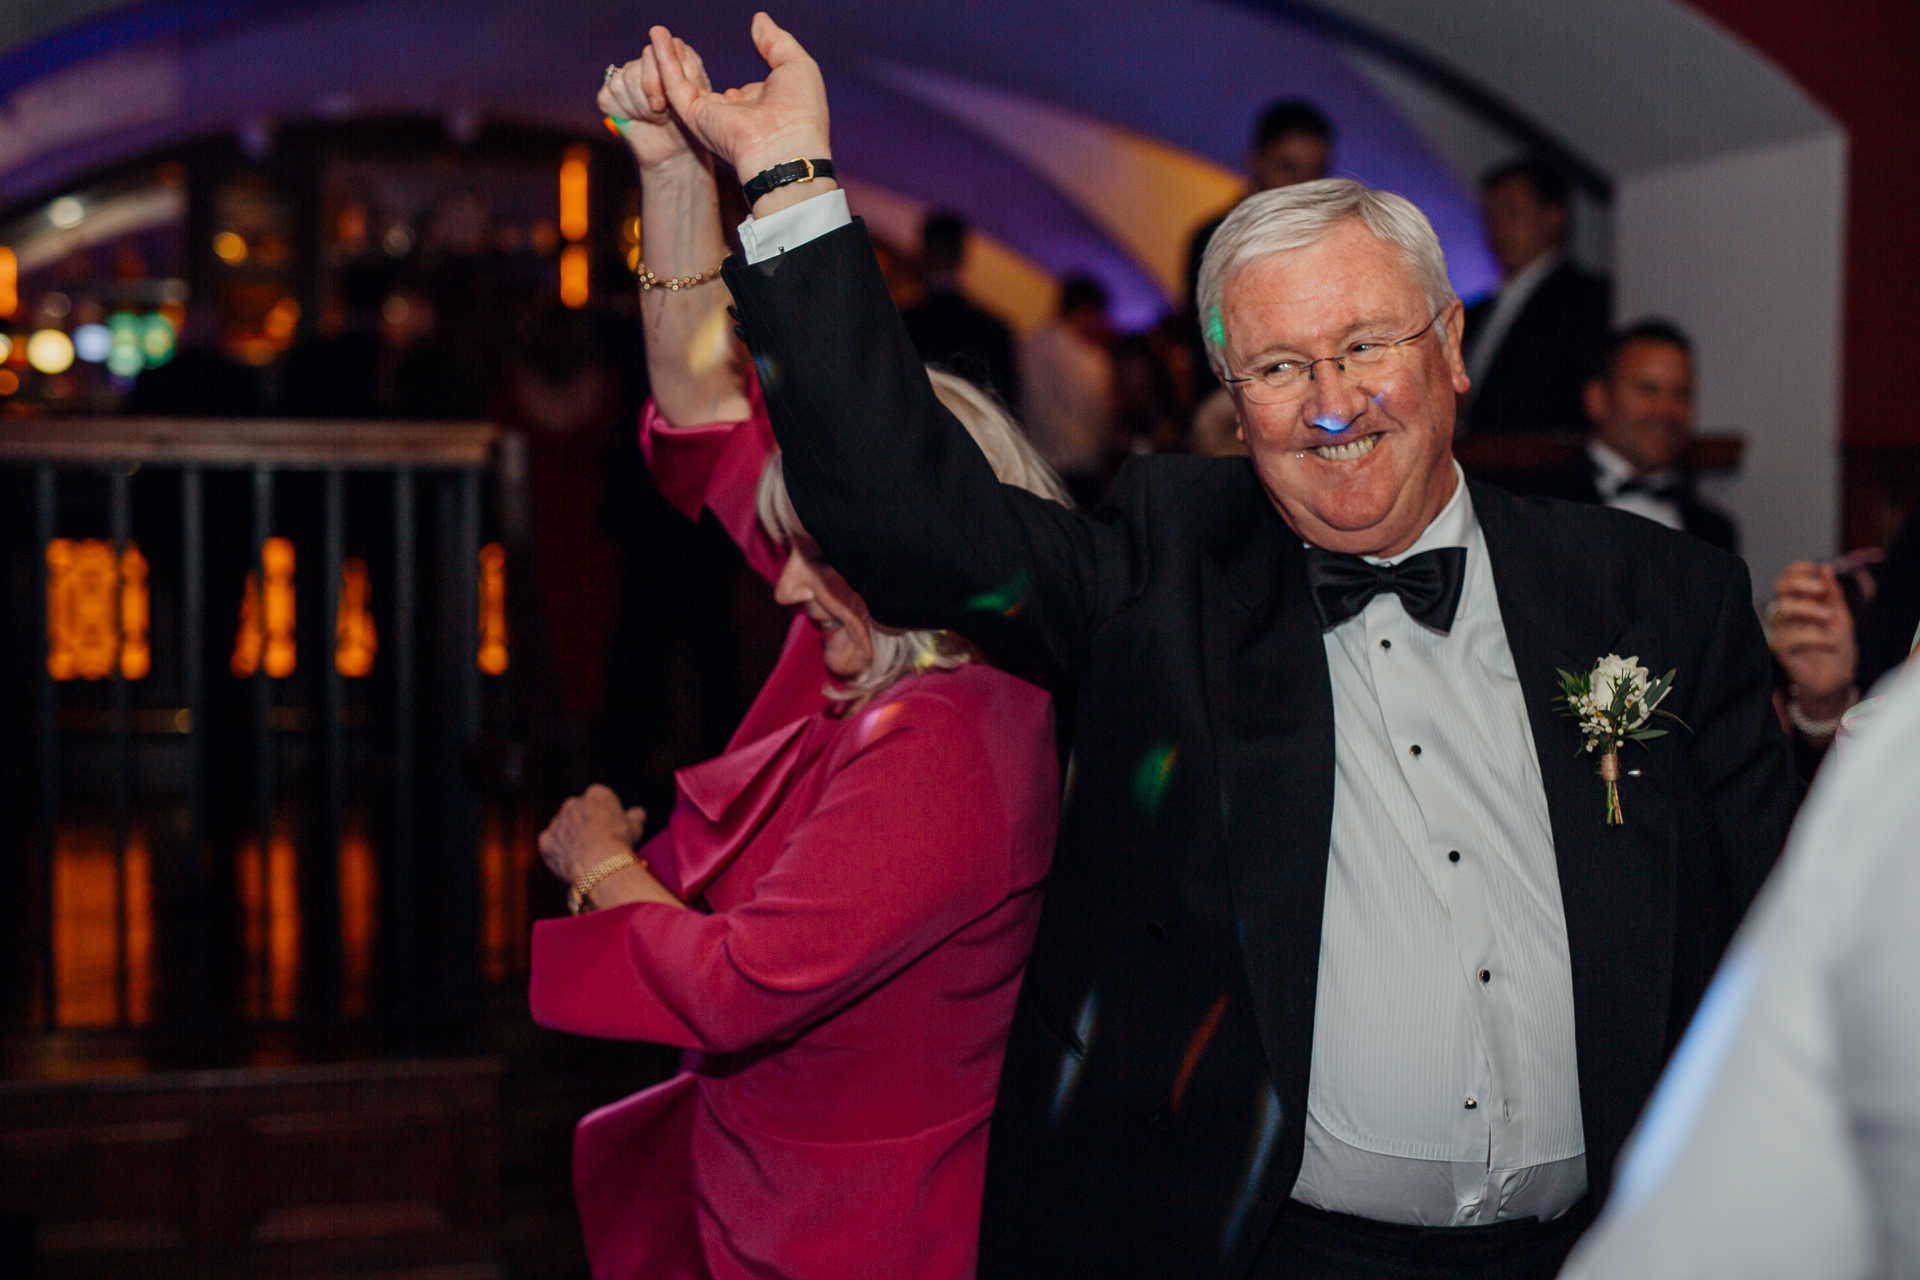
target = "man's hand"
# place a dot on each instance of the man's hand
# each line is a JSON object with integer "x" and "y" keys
{"x": 589, "y": 829}
{"x": 1810, "y": 630}
{"x": 635, "y": 95}
{"x": 769, "y": 122}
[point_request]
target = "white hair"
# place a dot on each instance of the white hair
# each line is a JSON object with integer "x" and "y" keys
{"x": 1288, "y": 219}
{"x": 898, "y": 654}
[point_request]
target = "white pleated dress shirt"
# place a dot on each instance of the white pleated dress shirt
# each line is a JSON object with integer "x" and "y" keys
{"x": 1444, "y": 1089}
{"x": 1611, "y": 472}
{"x": 1436, "y": 1097}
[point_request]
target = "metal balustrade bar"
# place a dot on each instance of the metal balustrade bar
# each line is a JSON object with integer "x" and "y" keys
{"x": 459, "y": 452}
{"x": 49, "y": 783}
{"x": 120, "y": 506}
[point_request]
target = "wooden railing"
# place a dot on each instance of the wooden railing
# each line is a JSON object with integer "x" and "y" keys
{"x": 1532, "y": 453}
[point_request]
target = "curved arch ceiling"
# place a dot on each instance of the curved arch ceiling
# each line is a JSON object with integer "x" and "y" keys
{"x": 1074, "y": 143}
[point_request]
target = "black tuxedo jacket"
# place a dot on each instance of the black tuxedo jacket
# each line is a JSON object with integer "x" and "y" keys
{"x": 1546, "y": 357}
{"x": 1578, "y": 484}
{"x": 1150, "y": 1110}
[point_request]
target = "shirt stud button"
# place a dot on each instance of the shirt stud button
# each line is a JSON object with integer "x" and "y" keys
{"x": 1453, "y": 855}
{"x": 1486, "y": 975}
{"x": 1386, "y": 644}
{"x": 1414, "y": 749}
{"x": 1471, "y": 1104}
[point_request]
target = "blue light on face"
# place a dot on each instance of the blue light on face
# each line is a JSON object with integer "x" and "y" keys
{"x": 1333, "y": 425}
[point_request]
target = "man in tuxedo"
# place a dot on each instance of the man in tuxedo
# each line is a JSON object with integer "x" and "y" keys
{"x": 1641, "y": 406}
{"x": 1530, "y": 346}
{"x": 1342, "y": 971}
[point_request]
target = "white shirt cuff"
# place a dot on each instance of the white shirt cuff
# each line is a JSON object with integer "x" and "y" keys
{"x": 794, "y": 225}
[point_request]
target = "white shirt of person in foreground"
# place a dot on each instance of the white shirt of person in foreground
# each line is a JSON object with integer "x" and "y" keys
{"x": 1784, "y": 1140}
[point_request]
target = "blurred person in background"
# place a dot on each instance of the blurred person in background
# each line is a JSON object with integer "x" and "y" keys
{"x": 203, "y": 380}
{"x": 561, "y": 394}
{"x": 836, "y": 917}
{"x": 947, "y": 329}
{"x": 1066, "y": 368}
{"x": 1838, "y": 629}
{"x": 336, "y": 374}
{"x": 1292, "y": 142}
{"x": 1531, "y": 346}
{"x": 1784, "y": 1140}
{"x": 1640, "y": 406}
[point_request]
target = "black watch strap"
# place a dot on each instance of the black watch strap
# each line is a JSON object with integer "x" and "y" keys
{"x": 781, "y": 174}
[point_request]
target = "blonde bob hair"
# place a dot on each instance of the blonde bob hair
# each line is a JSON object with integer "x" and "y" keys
{"x": 897, "y": 654}
{"x": 1287, "y": 219}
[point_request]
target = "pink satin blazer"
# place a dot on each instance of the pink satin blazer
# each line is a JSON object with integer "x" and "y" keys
{"x": 870, "y": 885}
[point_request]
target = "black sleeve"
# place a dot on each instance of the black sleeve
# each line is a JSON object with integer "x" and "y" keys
{"x": 900, "y": 499}
{"x": 1887, "y": 633}
{"x": 1736, "y": 752}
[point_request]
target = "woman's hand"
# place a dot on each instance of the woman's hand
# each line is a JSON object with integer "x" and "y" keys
{"x": 769, "y": 122}
{"x": 636, "y": 101}
{"x": 589, "y": 829}
{"x": 1810, "y": 630}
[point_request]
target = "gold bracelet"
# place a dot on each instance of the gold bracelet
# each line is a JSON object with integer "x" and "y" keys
{"x": 648, "y": 280}
{"x": 577, "y": 895}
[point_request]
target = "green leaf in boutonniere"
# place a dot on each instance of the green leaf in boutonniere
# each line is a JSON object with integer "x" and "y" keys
{"x": 1612, "y": 704}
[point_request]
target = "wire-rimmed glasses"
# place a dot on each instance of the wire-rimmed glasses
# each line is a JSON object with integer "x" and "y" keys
{"x": 1285, "y": 381}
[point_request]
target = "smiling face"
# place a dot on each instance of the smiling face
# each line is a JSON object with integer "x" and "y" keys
{"x": 1642, "y": 407}
{"x": 1374, "y": 481}
{"x": 833, "y": 607}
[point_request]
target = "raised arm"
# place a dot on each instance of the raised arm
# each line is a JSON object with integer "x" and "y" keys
{"x": 888, "y": 482}
{"x": 691, "y": 355}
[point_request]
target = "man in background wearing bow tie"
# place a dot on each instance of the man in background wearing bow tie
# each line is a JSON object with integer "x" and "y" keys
{"x": 1342, "y": 971}
{"x": 1641, "y": 407}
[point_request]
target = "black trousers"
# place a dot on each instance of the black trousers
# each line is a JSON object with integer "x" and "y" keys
{"x": 1312, "y": 1244}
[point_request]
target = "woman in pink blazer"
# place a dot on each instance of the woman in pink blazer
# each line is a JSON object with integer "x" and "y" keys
{"x": 835, "y": 919}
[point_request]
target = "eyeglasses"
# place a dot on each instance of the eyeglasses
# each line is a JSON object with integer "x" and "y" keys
{"x": 1286, "y": 381}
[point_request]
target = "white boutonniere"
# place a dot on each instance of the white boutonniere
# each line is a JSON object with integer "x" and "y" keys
{"x": 1613, "y": 704}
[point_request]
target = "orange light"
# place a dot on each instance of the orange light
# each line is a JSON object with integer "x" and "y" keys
{"x": 354, "y": 639}
{"x": 277, "y": 642}
{"x": 573, "y": 275}
{"x": 84, "y": 599}
{"x": 493, "y": 609}
{"x": 359, "y": 879}
{"x": 9, "y": 382}
{"x": 269, "y": 893}
{"x": 87, "y": 909}
{"x": 136, "y": 656}
{"x": 281, "y": 322}
{"x": 573, "y": 193}
{"x": 9, "y": 282}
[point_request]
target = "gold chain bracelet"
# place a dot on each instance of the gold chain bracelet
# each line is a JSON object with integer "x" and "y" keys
{"x": 577, "y": 900}
{"x": 649, "y": 281}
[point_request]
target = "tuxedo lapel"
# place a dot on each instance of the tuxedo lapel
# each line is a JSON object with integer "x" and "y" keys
{"x": 1615, "y": 881}
{"x": 1270, "y": 703}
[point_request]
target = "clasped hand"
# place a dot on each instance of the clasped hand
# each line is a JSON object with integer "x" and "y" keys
{"x": 589, "y": 829}
{"x": 669, "y": 99}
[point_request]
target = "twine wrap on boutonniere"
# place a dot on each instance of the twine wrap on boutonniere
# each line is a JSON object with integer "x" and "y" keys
{"x": 1613, "y": 704}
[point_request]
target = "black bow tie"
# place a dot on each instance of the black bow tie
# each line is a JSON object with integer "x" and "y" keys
{"x": 1666, "y": 490}
{"x": 1428, "y": 585}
